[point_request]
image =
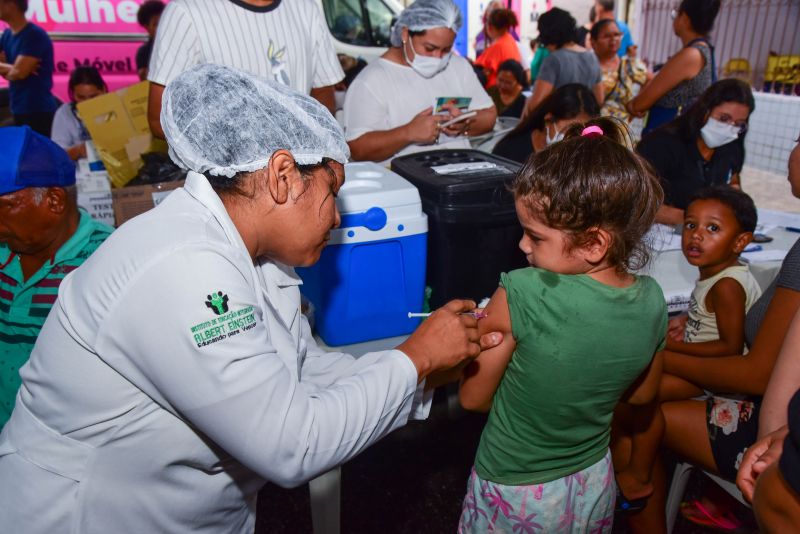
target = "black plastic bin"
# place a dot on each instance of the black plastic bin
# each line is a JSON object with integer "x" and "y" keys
{"x": 473, "y": 231}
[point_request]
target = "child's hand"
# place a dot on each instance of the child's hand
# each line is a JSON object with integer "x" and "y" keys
{"x": 676, "y": 327}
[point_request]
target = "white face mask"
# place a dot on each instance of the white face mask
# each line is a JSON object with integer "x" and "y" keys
{"x": 426, "y": 66}
{"x": 716, "y": 133}
{"x": 555, "y": 139}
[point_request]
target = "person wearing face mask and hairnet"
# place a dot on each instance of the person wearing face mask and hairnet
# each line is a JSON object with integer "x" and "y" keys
{"x": 388, "y": 109}
{"x": 175, "y": 374}
{"x": 701, "y": 148}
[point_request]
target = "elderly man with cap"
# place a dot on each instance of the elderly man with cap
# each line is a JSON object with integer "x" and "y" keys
{"x": 43, "y": 237}
{"x": 388, "y": 107}
{"x": 176, "y": 374}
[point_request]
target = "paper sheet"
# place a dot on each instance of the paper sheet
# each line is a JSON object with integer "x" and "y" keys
{"x": 473, "y": 166}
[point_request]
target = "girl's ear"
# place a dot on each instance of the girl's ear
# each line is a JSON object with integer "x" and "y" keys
{"x": 596, "y": 249}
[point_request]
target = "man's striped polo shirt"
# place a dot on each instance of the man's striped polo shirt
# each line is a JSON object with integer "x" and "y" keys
{"x": 24, "y": 304}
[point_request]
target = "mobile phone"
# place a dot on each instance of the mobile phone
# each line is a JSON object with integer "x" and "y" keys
{"x": 462, "y": 117}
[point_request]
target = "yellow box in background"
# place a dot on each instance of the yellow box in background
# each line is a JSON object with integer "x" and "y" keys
{"x": 118, "y": 125}
{"x": 783, "y": 69}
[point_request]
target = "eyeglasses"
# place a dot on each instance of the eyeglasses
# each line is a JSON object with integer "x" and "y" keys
{"x": 727, "y": 119}
{"x": 612, "y": 36}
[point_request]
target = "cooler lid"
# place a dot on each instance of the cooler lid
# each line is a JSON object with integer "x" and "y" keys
{"x": 368, "y": 185}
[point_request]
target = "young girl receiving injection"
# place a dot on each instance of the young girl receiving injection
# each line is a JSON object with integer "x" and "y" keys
{"x": 581, "y": 334}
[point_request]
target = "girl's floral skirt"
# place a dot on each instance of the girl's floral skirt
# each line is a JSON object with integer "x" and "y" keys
{"x": 581, "y": 503}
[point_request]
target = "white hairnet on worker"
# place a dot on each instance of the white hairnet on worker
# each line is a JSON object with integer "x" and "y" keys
{"x": 426, "y": 14}
{"x": 223, "y": 121}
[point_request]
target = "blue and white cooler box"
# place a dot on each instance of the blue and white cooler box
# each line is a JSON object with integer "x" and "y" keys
{"x": 372, "y": 273}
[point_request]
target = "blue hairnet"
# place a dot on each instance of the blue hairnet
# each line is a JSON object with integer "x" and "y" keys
{"x": 426, "y": 14}
{"x": 224, "y": 121}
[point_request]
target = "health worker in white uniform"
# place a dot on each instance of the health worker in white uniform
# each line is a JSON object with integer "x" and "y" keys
{"x": 389, "y": 107}
{"x": 175, "y": 374}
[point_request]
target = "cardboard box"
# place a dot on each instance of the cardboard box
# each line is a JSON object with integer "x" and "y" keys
{"x": 132, "y": 201}
{"x": 99, "y": 204}
{"x": 118, "y": 125}
{"x": 94, "y": 192}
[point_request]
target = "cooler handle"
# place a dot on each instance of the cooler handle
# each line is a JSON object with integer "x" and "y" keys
{"x": 373, "y": 219}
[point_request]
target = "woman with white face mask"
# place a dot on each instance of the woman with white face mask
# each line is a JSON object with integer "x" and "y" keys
{"x": 388, "y": 109}
{"x": 701, "y": 148}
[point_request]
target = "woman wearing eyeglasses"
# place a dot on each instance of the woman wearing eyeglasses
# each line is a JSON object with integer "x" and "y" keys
{"x": 703, "y": 147}
{"x": 685, "y": 76}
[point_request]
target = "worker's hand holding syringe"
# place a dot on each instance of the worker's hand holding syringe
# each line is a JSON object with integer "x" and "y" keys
{"x": 448, "y": 339}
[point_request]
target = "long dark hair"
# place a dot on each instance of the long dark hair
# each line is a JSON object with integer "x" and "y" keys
{"x": 688, "y": 125}
{"x": 566, "y": 102}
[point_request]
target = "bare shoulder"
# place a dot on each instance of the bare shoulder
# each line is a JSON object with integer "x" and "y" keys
{"x": 498, "y": 318}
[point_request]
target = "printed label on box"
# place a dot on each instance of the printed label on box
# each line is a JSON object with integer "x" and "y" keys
{"x": 99, "y": 205}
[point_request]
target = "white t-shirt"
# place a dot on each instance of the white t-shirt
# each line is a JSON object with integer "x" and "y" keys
{"x": 286, "y": 41}
{"x": 67, "y": 129}
{"x": 386, "y": 95}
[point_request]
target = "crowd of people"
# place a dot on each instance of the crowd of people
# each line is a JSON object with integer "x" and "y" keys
{"x": 183, "y": 326}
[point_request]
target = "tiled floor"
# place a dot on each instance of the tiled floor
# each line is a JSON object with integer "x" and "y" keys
{"x": 769, "y": 190}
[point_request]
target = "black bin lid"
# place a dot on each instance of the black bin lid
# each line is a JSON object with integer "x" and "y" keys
{"x": 417, "y": 168}
{"x": 475, "y": 188}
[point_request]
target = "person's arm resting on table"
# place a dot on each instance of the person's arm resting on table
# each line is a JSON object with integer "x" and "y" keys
{"x": 727, "y": 299}
{"x": 482, "y": 376}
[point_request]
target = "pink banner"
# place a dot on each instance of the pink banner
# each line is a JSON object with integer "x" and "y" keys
{"x": 85, "y": 16}
{"x": 114, "y": 58}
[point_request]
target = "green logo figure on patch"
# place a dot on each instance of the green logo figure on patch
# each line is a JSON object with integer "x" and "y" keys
{"x": 218, "y": 302}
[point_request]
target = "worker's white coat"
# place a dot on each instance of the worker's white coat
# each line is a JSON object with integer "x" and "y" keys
{"x": 144, "y": 409}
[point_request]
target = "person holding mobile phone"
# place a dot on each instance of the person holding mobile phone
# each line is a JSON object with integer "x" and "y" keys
{"x": 387, "y": 109}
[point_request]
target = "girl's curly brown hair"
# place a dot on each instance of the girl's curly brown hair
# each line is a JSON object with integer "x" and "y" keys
{"x": 588, "y": 182}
